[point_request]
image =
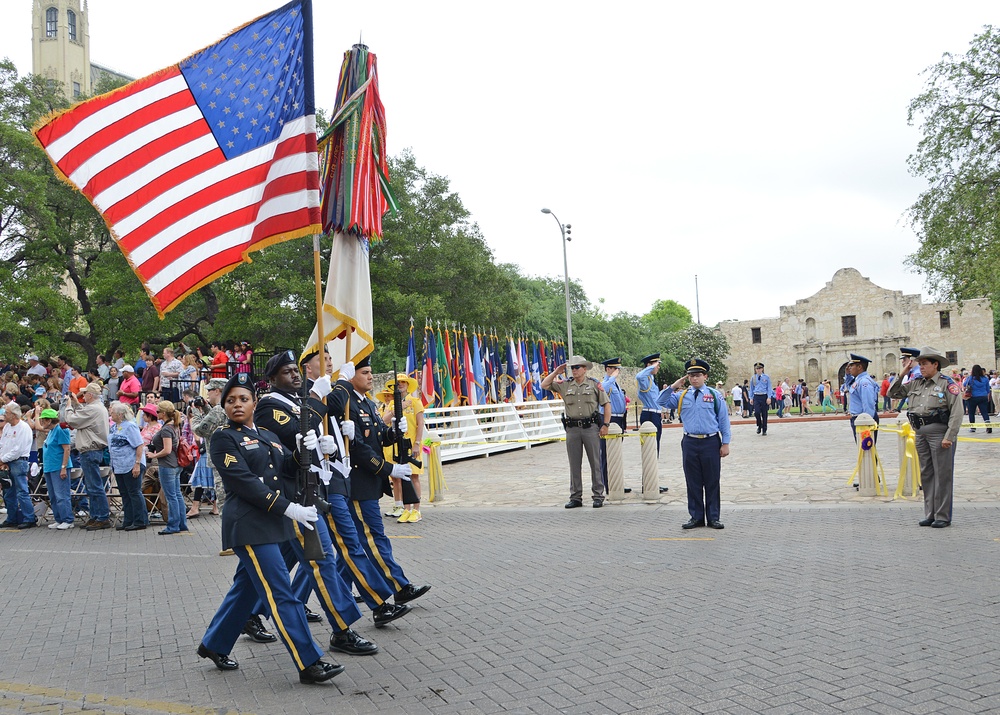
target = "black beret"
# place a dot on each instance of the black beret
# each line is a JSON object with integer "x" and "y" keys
{"x": 366, "y": 361}
{"x": 278, "y": 361}
{"x": 240, "y": 379}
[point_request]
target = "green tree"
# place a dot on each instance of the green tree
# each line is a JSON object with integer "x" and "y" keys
{"x": 699, "y": 341}
{"x": 957, "y": 218}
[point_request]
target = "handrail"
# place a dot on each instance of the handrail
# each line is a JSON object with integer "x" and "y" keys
{"x": 473, "y": 430}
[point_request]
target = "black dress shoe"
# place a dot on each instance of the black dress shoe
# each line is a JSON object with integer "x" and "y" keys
{"x": 716, "y": 525}
{"x": 358, "y": 599}
{"x": 222, "y": 662}
{"x": 409, "y": 592}
{"x": 313, "y": 617}
{"x": 664, "y": 490}
{"x": 940, "y": 524}
{"x": 28, "y": 525}
{"x": 388, "y": 612}
{"x": 120, "y": 527}
{"x": 926, "y": 522}
{"x": 319, "y": 671}
{"x": 351, "y": 643}
{"x": 598, "y": 504}
{"x": 135, "y": 527}
{"x": 758, "y": 430}
{"x": 573, "y": 504}
{"x": 693, "y": 524}
{"x": 258, "y": 634}
{"x": 8, "y": 525}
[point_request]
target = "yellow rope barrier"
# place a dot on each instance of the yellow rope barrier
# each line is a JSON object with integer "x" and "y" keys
{"x": 910, "y": 459}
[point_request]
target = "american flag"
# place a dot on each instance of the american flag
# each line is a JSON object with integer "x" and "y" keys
{"x": 201, "y": 163}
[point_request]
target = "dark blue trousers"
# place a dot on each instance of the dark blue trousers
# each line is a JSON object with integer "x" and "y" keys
{"x": 702, "y": 471}
{"x": 760, "y": 411}
{"x": 657, "y": 419}
{"x": 368, "y": 522}
{"x": 262, "y": 574}
{"x": 352, "y": 560}
{"x": 324, "y": 578}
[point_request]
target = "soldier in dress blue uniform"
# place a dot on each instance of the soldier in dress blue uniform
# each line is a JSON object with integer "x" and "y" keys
{"x": 352, "y": 561}
{"x": 762, "y": 392}
{"x": 618, "y": 409}
{"x": 649, "y": 394}
{"x": 702, "y": 410}
{"x": 862, "y": 391}
{"x": 256, "y": 519}
{"x": 370, "y": 471}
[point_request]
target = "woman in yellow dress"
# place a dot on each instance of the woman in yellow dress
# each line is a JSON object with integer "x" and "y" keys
{"x": 406, "y": 498}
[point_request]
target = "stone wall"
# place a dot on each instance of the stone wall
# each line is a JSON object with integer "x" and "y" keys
{"x": 808, "y": 339}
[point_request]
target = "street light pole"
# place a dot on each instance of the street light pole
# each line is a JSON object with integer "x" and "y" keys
{"x": 564, "y": 229}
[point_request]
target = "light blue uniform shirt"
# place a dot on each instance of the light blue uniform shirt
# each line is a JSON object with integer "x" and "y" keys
{"x": 648, "y": 391}
{"x": 615, "y": 394}
{"x": 761, "y": 385}
{"x": 705, "y": 414}
{"x": 863, "y": 395}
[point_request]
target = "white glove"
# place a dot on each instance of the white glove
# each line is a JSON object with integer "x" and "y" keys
{"x": 321, "y": 387}
{"x": 328, "y": 444}
{"x": 305, "y": 515}
{"x": 401, "y": 471}
{"x": 347, "y": 371}
{"x": 311, "y": 441}
{"x": 347, "y": 429}
{"x": 401, "y": 425}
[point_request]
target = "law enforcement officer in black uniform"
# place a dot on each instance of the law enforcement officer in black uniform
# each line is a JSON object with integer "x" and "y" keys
{"x": 370, "y": 472}
{"x": 353, "y": 563}
{"x": 256, "y": 519}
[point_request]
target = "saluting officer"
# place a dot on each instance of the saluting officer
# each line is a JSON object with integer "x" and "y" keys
{"x": 862, "y": 391}
{"x": 370, "y": 471}
{"x": 762, "y": 391}
{"x": 588, "y": 414}
{"x": 619, "y": 415}
{"x": 256, "y": 519}
{"x": 649, "y": 395}
{"x": 935, "y": 413}
{"x": 703, "y": 413}
{"x": 908, "y": 354}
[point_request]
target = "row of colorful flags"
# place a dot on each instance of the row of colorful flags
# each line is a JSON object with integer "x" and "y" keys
{"x": 478, "y": 368}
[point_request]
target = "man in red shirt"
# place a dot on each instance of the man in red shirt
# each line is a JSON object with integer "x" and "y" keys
{"x": 883, "y": 390}
{"x": 219, "y": 360}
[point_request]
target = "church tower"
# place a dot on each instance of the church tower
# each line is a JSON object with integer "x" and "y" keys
{"x": 60, "y": 44}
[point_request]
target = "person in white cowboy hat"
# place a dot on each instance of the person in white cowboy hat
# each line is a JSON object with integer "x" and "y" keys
{"x": 588, "y": 414}
{"x": 935, "y": 412}
{"x": 406, "y": 496}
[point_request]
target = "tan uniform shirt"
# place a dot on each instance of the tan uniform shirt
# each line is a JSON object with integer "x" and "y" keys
{"x": 925, "y": 395}
{"x": 582, "y": 399}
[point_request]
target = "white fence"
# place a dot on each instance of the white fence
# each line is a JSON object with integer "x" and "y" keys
{"x": 485, "y": 429}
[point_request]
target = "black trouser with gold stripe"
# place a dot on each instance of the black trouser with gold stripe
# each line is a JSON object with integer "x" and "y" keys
{"x": 352, "y": 560}
{"x": 368, "y": 522}
{"x": 262, "y": 574}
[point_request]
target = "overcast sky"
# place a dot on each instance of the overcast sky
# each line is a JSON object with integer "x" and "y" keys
{"x": 761, "y": 146}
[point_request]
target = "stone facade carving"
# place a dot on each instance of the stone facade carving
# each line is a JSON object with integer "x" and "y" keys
{"x": 813, "y": 338}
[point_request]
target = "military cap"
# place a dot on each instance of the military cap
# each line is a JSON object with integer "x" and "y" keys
{"x": 696, "y": 365}
{"x": 908, "y": 353}
{"x": 242, "y": 379}
{"x": 216, "y": 383}
{"x": 858, "y": 360}
{"x": 311, "y": 353}
{"x": 758, "y": 364}
{"x": 612, "y": 362}
{"x": 278, "y": 361}
{"x": 366, "y": 361}
{"x": 650, "y": 358}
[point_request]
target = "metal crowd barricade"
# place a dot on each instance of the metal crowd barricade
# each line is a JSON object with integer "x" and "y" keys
{"x": 470, "y": 431}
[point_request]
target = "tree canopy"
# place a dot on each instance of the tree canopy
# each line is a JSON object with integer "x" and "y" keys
{"x": 957, "y": 218}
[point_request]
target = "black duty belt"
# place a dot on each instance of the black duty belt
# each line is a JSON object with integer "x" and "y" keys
{"x": 918, "y": 421}
{"x": 585, "y": 422}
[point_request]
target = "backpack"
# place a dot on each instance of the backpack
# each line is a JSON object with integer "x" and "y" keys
{"x": 187, "y": 454}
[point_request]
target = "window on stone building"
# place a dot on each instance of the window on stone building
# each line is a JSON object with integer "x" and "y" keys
{"x": 76, "y": 90}
{"x": 952, "y": 356}
{"x": 849, "y": 325}
{"x": 945, "y": 316}
{"x": 51, "y": 21}
{"x": 810, "y": 328}
{"x": 888, "y": 322}
{"x": 755, "y": 335}
{"x": 71, "y": 21}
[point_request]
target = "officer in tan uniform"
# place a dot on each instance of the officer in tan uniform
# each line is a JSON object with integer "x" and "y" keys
{"x": 935, "y": 412}
{"x": 588, "y": 414}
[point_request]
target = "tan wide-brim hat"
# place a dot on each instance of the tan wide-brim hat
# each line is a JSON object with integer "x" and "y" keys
{"x": 931, "y": 354}
{"x": 579, "y": 360}
{"x": 411, "y": 384}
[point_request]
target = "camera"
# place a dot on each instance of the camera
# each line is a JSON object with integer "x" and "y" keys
{"x": 199, "y": 401}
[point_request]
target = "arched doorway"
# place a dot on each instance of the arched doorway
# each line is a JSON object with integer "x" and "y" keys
{"x": 841, "y": 374}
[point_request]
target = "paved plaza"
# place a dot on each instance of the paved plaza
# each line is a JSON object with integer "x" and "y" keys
{"x": 812, "y": 600}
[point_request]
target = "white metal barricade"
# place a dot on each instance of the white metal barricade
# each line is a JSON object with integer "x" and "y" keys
{"x": 484, "y": 429}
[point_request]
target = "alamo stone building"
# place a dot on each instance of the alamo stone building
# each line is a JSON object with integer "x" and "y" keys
{"x": 813, "y": 338}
